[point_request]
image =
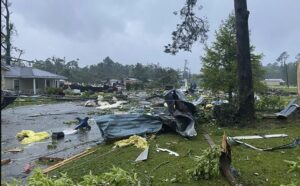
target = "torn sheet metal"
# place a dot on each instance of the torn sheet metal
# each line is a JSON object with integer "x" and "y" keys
{"x": 293, "y": 144}
{"x": 119, "y": 126}
{"x": 259, "y": 136}
{"x": 180, "y": 119}
{"x": 182, "y": 123}
{"x": 176, "y": 101}
{"x": 288, "y": 110}
{"x": 143, "y": 156}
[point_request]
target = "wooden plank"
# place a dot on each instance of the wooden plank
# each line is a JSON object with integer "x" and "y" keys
{"x": 66, "y": 161}
{"x": 209, "y": 140}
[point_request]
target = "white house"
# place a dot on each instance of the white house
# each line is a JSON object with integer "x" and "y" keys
{"x": 28, "y": 80}
{"x": 274, "y": 81}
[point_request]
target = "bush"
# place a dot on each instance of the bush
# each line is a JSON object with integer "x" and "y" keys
{"x": 269, "y": 103}
{"x": 54, "y": 91}
{"x": 225, "y": 114}
{"x": 88, "y": 94}
{"x": 206, "y": 165}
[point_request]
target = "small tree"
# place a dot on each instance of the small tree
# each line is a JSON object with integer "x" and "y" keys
{"x": 220, "y": 61}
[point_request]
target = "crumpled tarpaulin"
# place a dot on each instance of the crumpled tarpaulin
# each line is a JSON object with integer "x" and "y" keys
{"x": 135, "y": 140}
{"x": 123, "y": 125}
{"x": 29, "y": 136}
{"x": 180, "y": 119}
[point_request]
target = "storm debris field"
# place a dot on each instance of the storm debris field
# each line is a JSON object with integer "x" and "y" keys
{"x": 156, "y": 150}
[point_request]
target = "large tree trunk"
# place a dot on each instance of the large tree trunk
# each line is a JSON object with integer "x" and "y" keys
{"x": 246, "y": 94}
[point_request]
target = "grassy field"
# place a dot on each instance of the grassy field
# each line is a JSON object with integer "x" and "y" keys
{"x": 290, "y": 89}
{"x": 255, "y": 167}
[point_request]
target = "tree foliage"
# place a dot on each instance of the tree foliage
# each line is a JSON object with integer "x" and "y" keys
{"x": 189, "y": 31}
{"x": 219, "y": 70}
{"x": 108, "y": 69}
{"x": 277, "y": 71}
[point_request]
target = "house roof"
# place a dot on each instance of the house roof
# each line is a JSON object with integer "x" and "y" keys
{"x": 275, "y": 80}
{"x": 3, "y": 67}
{"x": 29, "y": 72}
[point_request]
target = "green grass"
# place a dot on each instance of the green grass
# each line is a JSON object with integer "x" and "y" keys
{"x": 31, "y": 101}
{"x": 290, "y": 89}
{"x": 163, "y": 169}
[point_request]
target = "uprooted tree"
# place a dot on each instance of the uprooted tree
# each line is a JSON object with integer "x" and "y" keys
{"x": 192, "y": 28}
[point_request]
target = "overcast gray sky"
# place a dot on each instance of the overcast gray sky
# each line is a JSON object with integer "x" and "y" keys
{"x": 131, "y": 31}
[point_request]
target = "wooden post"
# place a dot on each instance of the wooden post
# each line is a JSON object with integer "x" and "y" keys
{"x": 34, "y": 86}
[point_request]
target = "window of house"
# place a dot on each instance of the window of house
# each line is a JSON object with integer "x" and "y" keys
{"x": 16, "y": 84}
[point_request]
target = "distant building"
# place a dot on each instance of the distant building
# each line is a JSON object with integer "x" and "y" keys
{"x": 274, "y": 81}
{"x": 28, "y": 80}
{"x": 131, "y": 81}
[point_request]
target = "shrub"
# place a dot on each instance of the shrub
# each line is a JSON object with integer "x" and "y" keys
{"x": 267, "y": 103}
{"x": 225, "y": 114}
{"x": 54, "y": 91}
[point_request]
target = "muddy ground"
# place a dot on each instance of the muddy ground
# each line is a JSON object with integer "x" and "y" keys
{"x": 39, "y": 118}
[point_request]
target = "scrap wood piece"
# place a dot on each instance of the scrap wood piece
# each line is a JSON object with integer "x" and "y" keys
{"x": 225, "y": 162}
{"x": 209, "y": 140}
{"x": 259, "y": 136}
{"x": 225, "y": 159}
{"x": 14, "y": 150}
{"x": 5, "y": 161}
{"x": 66, "y": 161}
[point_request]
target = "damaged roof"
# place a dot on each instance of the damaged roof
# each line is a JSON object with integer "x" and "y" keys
{"x": 29, "y": 72}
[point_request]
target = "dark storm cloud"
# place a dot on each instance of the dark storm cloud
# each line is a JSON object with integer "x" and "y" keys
{"x": 131, "y": 31}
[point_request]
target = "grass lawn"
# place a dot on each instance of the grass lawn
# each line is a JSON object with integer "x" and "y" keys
{"x": 23, "y": 101}
{"x": 290, "y": 89}
{"x": 255, "y": 167}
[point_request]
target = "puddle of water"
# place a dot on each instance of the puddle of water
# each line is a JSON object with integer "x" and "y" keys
{"x": 13, "y": 120}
